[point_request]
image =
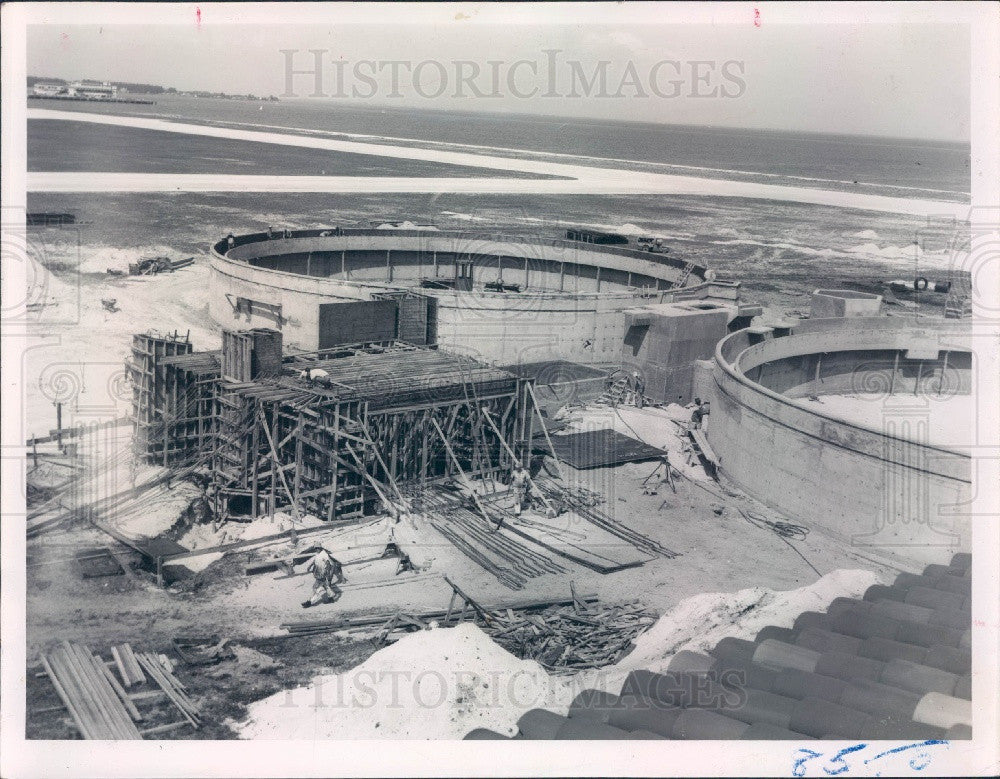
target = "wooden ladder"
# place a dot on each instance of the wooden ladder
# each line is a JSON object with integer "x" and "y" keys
{"x": 685, "y": 274}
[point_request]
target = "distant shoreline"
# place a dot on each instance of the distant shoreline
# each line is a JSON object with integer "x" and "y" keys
{"x": 571, "y": 178}
{"x": 73, "y": 99}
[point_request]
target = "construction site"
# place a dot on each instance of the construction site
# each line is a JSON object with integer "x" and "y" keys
{"x": 582, "y": 463}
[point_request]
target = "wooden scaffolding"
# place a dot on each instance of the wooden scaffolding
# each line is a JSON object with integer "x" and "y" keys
{"x": 172, "y": 398}
{"x": 384, "y": 417}
{"x": 379, "y": 419}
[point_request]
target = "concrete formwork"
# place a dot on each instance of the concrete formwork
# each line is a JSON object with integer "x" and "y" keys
{"x": 884, "y": 487}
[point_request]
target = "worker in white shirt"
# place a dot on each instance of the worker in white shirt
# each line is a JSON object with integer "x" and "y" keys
{"x": 328, "y": 573}
{"x": 519, "y": 483}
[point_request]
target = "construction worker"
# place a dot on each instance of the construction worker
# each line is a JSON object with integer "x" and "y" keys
{"x": 314, "y": 375}
{"x": 519, "y": 483}
{"x": 698, "y": 415}
{"x": 640, "y": 388}
{"x": 328, "y": 573}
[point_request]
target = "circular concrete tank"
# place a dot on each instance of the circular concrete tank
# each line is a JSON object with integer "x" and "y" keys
{"x": 567, "y": 303}
{"x": 860, "y": 426}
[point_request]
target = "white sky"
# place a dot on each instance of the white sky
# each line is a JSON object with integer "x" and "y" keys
{"x": 904, "y": 80}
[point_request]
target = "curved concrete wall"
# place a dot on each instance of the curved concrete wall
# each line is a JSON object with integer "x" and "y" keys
{"x": 886, "y": 488}
{"x": 570, "y": 308}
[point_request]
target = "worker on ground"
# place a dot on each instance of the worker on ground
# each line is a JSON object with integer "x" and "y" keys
{"x": 328, "y": 573}
{"x": 640, "y": 388}
{"x": 519, "y": 483}
{"x": 700, "y": 412}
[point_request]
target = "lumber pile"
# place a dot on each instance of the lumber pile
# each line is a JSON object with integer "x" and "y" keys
{"x": 171, "y": 685}
{"x": 568, "y": 638}
{"x": 150, "y": 266}
{"x": 99, "y": 706}
{"x": 128, "y": 666}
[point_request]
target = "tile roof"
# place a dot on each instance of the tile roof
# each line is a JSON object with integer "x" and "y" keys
{"x": 895, "y": 664}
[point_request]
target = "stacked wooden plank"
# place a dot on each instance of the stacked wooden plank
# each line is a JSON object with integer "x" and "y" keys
{"x": 171, "y": 685}
{"x": 100, "y": 708}
{"x": 128, "y": 666}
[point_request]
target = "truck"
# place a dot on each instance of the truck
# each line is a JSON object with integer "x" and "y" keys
{"x": 651, "y": 243}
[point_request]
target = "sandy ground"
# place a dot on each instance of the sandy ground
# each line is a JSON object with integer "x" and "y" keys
{"x": 579, "y": 179}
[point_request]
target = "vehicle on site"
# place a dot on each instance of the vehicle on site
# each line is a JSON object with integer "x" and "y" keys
{"x": 651, "y": 243}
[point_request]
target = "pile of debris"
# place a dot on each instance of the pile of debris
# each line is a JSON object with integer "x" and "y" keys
{"x": 569, "y": 638}
{"x": 562, "y": 635}
{"x": 150, "y": 266}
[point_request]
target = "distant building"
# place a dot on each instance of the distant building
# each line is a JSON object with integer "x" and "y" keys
{"x": 48, "y": 88}
{"x": 92, "y": 89}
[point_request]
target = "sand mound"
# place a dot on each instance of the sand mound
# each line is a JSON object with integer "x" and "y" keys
{"x": 435, "y": 684}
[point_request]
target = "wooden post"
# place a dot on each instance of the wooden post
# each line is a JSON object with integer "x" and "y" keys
{"x": 920, "y": 372}
{"x": 331, "y": 506}
{"x": 541, "y": 420}
{"x": 280, "y": 472}
{"x": 298, "y": 461}
{"x": 451, "y": 453}
{"x": 423, "y": 449}
{"x": 895, "y": 367}
{"x": 255, "y": 439}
